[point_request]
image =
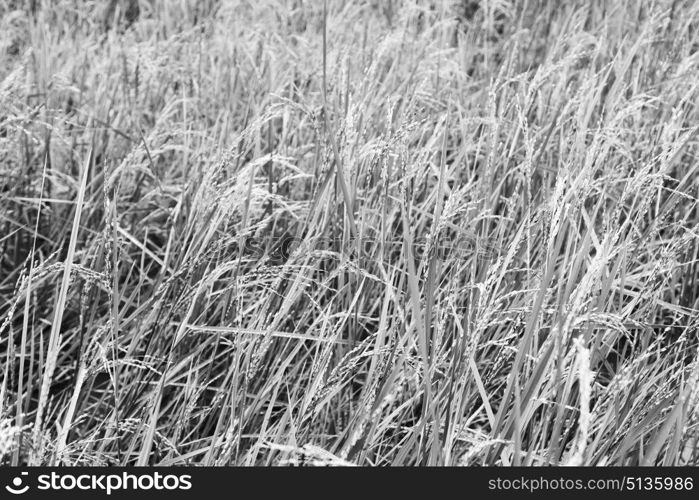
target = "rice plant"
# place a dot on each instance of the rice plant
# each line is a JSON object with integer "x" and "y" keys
{"x": 413, "y": 232}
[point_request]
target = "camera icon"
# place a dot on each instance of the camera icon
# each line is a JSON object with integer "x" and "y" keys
{"x": 16, "y": 488}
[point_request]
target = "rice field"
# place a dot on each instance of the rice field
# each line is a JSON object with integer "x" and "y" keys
{"x": 361, "y": 232}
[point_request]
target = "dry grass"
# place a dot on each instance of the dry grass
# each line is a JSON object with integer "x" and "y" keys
{"x": 385, "y": 233}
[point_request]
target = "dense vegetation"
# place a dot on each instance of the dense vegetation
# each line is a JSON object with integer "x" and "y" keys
{"x": 379, "y": 233}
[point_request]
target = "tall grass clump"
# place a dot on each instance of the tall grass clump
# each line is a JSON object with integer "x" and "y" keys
{"x": 414, "y": 232}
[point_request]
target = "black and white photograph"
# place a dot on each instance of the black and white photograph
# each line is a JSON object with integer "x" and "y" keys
{"x": 355, "y": 233}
